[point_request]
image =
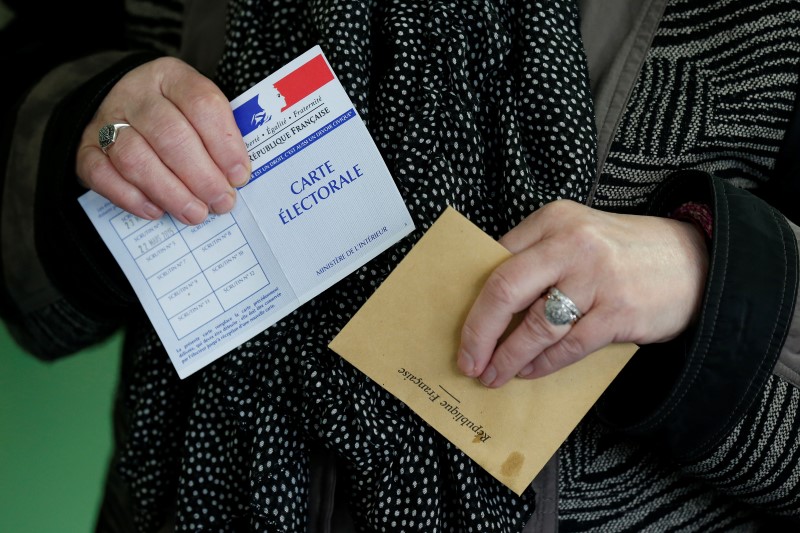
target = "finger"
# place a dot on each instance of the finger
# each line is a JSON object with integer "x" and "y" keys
{"x": 589, "y": 334}
{"x": 175, "y": 141}
{"x": 510, "y": 288}
{"x": 209, "y": 113}
{"x": 137, "y": 163}
{"x": 541, "y": 223}
{"x": 533, "y": 335}
{"x": 525, "y": 234}
{"x": 98, "y": 173}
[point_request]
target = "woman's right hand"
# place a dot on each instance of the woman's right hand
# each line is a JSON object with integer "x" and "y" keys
{"x": 183, "y": 153}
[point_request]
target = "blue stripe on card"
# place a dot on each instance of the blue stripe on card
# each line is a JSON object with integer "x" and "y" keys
{"x": 302, "y": 145}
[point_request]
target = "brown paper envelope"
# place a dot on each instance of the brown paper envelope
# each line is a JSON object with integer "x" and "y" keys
{"x": 405, "y": 337}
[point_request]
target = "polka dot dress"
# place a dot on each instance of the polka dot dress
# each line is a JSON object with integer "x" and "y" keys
{"x": 481, "y": 105}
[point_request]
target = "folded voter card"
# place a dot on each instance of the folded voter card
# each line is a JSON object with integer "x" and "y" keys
{"x": 320, "y": 203}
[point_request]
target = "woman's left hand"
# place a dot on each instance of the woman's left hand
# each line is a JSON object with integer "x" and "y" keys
{"x": 634, "y": 278}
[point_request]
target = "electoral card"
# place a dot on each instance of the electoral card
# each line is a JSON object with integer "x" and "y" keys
{"x": 320, "y": 203}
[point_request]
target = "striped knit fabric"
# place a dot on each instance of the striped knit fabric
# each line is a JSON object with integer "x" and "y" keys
{"x": 608, "y": 484}
{"x": 715, "y": 93}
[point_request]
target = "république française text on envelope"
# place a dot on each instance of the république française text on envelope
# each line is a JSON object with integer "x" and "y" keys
{"x": 405, "y": 338}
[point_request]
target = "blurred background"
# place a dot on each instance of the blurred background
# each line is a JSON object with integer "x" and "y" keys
{"x": 55, "y": 433}
{"x": 55, "y": 437}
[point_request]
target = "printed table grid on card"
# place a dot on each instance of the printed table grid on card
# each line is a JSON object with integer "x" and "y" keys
{"x": 215, "y": 267}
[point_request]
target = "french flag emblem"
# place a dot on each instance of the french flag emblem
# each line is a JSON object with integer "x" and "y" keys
{"x": 292, "y": 88}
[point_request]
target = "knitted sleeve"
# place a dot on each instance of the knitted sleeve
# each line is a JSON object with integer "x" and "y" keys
{"x": 758, "y": 461}
{"x": 722, "y": 400}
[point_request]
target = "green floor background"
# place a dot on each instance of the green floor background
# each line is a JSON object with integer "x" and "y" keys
{"x": 55, "y": 437}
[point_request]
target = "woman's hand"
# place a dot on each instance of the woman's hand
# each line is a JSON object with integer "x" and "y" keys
{"x": 634, "y": 278}
{"x": 182, "y": 154}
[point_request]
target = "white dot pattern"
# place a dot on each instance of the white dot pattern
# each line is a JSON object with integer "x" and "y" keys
{"x": 478, "y": 104}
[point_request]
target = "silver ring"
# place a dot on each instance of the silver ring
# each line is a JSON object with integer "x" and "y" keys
{"x": 559, "y": 309}
{"x": 108, "y": 134}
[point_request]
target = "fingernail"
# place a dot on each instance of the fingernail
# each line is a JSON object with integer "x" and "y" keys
{"x": 488, "y": 376}
{"x": 526, "y": 371}
{"x": 194, "y": 212}
{"x": 466, "y": 363}
{"x": 151, "y": 211}
{"x": 222, "y": 203}
{"x": 239, "y": 175}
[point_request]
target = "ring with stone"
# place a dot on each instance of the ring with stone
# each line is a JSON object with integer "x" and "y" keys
{"x": 108, "y": 134}
{"x": 559, "y": 309}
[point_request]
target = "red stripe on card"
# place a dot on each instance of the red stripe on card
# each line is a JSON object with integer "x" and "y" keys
{"x": 304, "y": 81}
